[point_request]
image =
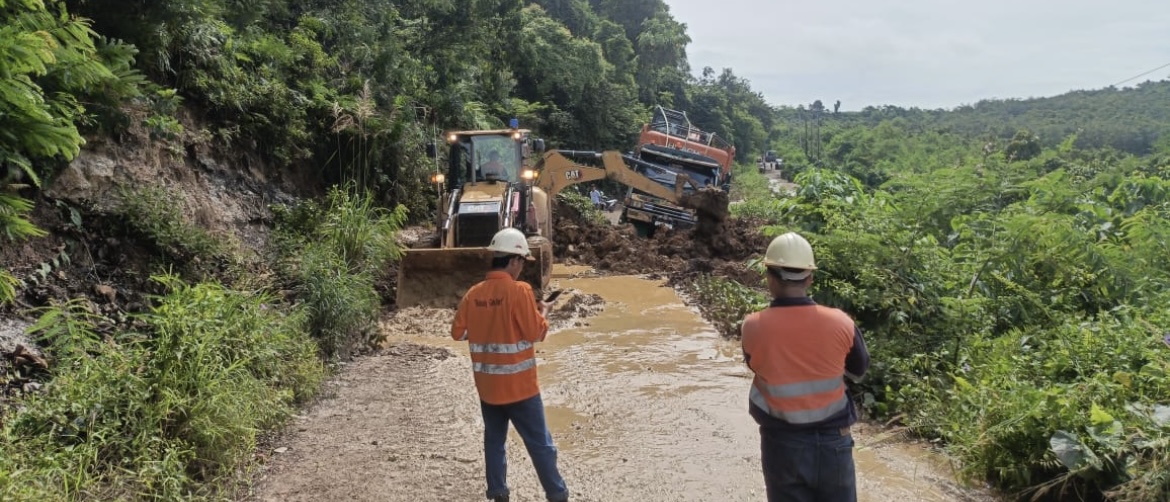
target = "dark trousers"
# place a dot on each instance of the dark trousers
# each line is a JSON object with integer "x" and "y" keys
{"x": 528, "y": 417}
{"x": 814, "y": 466}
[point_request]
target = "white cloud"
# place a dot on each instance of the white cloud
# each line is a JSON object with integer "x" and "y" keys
{"x": 926, "y": 53}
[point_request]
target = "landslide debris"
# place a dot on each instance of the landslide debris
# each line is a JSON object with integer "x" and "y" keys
{"x": 712, "y": 205}
{"x": 716, "y": 246}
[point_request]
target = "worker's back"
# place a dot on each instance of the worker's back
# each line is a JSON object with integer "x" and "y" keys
{"x": 798, "y": 353}
{"x": 500, "y": 321}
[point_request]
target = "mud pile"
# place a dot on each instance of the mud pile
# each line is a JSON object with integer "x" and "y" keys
{"x": 419, "y": 321}
{"x": 712, "y": 206}
{"x": 573, "y": 308}
{"x": 719, "y": 246}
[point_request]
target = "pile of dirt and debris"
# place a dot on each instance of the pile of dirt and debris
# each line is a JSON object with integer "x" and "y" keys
{"x": 573, "y": 308}
{"x": 717, "y": 244}
{"x": 712, "y": 206}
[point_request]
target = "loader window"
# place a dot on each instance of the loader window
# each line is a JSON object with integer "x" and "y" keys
{"x": 496, "y": 156}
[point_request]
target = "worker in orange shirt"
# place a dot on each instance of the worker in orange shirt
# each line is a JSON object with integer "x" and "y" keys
{"x": 501, "y": 319}
{"x": 801, "y": 354}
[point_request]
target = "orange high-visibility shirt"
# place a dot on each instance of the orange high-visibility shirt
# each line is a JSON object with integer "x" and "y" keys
{"x": 500, "y": 320}
{"x": 798, "y": 355}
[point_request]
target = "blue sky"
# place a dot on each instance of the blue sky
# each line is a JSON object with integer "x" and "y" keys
{"x": 926, "y": 53}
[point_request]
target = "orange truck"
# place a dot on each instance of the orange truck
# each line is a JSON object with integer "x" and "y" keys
{"x": 667, "y": 147}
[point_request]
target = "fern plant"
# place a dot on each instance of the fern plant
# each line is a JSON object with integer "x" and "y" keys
{"x": 51, "y": 64}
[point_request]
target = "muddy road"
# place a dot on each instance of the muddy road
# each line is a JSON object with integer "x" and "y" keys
{"x": 645, "y": 402}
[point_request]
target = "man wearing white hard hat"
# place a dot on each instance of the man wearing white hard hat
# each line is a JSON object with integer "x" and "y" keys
{"x": 801, "y": 354}
{"x": 501, "y": 320}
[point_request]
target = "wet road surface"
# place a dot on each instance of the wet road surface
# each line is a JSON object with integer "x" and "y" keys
{"x": 644, "y": 400}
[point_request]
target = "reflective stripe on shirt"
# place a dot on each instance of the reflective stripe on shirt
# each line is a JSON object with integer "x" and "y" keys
{"x": 799, "y": 416}
{"x": 500, "y": 348}
{"x": 803, "y": 388}
{"x": 504, "y": 369}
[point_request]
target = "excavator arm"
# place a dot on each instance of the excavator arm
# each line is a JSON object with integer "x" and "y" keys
{"x": 557, "y": 171}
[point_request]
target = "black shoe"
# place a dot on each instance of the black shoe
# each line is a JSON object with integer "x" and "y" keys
{"x": 501, "y": 498}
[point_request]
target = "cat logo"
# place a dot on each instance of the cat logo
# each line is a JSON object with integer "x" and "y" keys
{"x": 573, "y": 174}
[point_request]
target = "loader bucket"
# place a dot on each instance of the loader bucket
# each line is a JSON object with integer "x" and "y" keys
{"x": 439, "y": 277}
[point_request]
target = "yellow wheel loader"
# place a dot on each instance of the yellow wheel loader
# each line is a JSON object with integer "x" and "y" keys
{"x": 490, "y": 183}
{"x": 487, "y": 186}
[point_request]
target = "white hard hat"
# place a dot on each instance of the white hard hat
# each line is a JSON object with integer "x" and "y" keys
{"x": 511, "y": 241}
{"x": 790, "y": 251}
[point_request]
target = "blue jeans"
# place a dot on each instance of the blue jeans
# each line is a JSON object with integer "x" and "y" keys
{"x": 528, "y": 417}
{"x": 812, "y": 466}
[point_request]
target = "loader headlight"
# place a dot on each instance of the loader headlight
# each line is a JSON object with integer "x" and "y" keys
{"x": 528, "y": 174}
{"x": 438, "y": 178}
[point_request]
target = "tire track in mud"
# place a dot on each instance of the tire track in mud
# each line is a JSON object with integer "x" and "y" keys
{"x": 645, "y": 402}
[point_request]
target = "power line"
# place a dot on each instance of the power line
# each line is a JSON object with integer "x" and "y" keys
{"x": 1142, "y": 75}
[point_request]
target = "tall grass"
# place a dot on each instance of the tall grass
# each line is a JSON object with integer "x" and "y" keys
{"x": 166, "y": 412}
{"x": 332, "y": 255}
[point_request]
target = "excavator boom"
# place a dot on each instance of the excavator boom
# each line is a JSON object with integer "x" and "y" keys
{"x": 557, "y": 172}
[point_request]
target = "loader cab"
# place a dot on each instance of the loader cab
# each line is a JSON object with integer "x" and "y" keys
{"x": 491, "y": 157}
{"x": 487, "y": 185}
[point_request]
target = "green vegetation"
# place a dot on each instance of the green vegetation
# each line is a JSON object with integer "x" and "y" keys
{"x": 172, "y": 408}
{"x": 162, "y": 412}
{"x": 1013, "y": 296}
{"x": 51, "y": 64}
{"x": 582, "y": 204}
{"x": 358, "y": 87}
{"x": 151, "y": 214}
{"x": 1132, "y": 120}
{"x": 333, "y": 255}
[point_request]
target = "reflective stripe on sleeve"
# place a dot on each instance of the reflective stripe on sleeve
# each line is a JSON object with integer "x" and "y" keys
{"x": 464, "y": 337}
{"x": 503, "y": 369}
{"x": 500, "y": 348}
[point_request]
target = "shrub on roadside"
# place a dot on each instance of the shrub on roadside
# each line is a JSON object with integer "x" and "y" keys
{"x": 1013, "y": 314}
{"x": 331, "y": 255}
{"x": 725, "y": 302}
{"x": 161, "y": 413}
{"x": 1043, "y": 410}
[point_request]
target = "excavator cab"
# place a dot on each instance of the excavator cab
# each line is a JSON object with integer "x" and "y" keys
{"x": 488, "y": 185}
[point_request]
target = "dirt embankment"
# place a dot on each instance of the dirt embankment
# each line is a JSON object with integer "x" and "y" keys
{"x": 93, "y": 255}
{"x": 717, "y": 248}
{"x": 89, "y": 252}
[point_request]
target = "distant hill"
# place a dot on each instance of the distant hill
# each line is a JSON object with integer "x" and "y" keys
{"x": 1130, "y": 119}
